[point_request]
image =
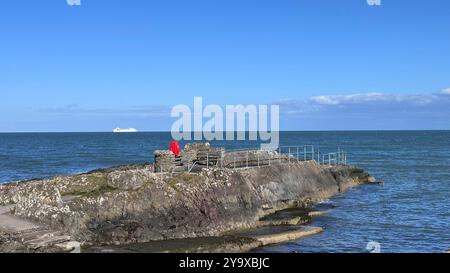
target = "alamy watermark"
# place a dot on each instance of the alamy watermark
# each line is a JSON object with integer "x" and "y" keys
{"x": 239, "y": 120}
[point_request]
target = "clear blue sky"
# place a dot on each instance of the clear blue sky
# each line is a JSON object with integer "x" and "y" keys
{"x": 330, "y": 64}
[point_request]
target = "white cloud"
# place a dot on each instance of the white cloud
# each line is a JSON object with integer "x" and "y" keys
{"x": 347, "y": 99}
{"x": 375, "y": 98}
{"x": 367, "y": 102}
{"x": 445, "y": 92}
{"x": 368, "y": 111}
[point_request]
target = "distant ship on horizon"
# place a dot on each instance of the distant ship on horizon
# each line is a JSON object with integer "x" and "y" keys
{"x": 127, "y": 130}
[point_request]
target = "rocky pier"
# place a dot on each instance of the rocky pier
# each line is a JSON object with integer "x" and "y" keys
{"x": 158, "y": 203}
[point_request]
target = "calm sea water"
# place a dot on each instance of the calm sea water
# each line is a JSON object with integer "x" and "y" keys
{"x": 411, "y": 213}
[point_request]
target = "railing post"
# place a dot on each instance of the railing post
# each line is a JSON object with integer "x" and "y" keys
{"x": 289, "y": 156}
{"x": 257, "y": 157}
{"x": 304, "y": 153}
{"x": 207, "y": 160}
{"x": 339, "y": 156}
{"x": 279, "y": 156}
{"x": 248, "y": 157}
{"x": 297, "y": 153}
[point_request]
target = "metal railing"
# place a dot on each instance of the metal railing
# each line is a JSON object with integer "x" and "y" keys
{"x": 246, "y": 158}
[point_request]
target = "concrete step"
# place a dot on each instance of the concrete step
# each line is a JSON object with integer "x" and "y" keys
{"x": 277, "y": 234}
{"x": 276, "y": 238}
{"x": 47, "y": 241}
{"x": 26, "y": 237}
{"x": 32, "y": 235}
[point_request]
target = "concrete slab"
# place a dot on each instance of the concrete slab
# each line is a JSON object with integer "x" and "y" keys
{"x": 276, "y": 238}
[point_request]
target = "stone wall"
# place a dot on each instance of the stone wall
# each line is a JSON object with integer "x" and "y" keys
{"x": 164, "y": 161}
{"x": 192, "y": 152}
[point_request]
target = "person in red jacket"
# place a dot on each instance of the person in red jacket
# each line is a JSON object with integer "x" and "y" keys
{"x": 175, "y": 148}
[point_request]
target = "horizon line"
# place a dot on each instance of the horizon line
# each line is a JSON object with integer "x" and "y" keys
{"x": 159, "y": 131}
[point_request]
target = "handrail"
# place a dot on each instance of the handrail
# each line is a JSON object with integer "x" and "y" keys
{"x": 242, "y": 158}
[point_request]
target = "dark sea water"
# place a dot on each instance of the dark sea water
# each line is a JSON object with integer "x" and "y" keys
{"x": 411, "y": 213}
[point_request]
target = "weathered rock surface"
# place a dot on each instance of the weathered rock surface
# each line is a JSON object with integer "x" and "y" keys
{"x": 164, "y": 161}
{"x": 133, "y": 204}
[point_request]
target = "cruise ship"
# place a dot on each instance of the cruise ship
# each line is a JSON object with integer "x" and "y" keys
{"x": 127, "y": 130}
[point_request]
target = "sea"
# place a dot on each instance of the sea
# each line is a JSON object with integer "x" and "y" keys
{"x": 410, "y": 213}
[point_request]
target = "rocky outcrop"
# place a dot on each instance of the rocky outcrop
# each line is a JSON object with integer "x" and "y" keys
{"x": 135, "y": 204}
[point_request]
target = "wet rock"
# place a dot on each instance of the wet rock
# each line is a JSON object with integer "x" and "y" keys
{"x": 376, "y": 183}
{"x": 222, "y": 244}
{"x": 316, "y": 213}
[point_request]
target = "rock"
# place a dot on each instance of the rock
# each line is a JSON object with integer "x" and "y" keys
{"x": 130, "y": 180}
{"x": 376, "y": 183}
{"x": 371, "y": 179}
{"x": 134, "y": 205}
{"x": 70, "y": 246}
{"x": 283, "y": 222}
{"x": 164, "y": 161}
{"x": 316, "y": 213}
{"x": 221, "y": 244}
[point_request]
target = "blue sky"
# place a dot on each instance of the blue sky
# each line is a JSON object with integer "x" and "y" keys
{"x": 329, "y": 64}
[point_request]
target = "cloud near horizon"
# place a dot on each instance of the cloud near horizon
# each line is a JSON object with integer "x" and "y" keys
{"x": 370, "y": 111}
{"x": 445, "y": 92}
{"x": 359, "y": 111}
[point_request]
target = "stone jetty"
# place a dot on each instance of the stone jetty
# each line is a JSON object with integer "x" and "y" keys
{"x": 187, "y": 198}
